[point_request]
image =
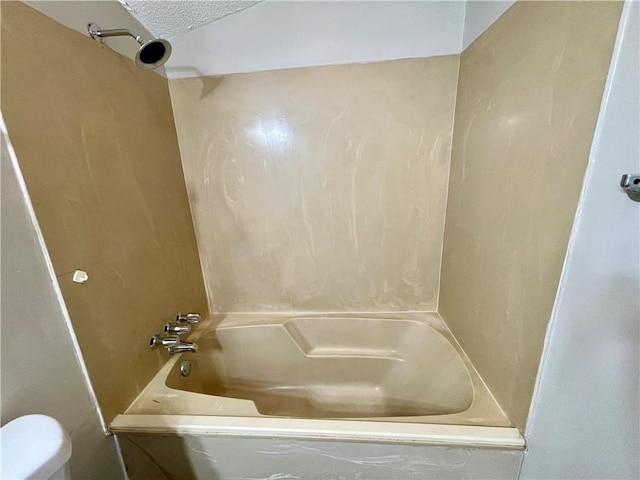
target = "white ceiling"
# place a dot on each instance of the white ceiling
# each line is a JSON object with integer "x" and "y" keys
{"x": 167, "y": 18}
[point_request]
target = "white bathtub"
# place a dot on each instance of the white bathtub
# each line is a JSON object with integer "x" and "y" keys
{"x": 388, "y": 378}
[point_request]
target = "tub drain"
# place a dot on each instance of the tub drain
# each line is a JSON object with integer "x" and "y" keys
{"x": 185, "y": 368}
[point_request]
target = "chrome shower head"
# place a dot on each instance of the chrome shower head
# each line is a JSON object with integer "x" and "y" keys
{"x": 151, "y": 54}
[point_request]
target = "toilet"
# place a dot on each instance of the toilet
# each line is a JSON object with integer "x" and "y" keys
{"x": 34, "y": 447}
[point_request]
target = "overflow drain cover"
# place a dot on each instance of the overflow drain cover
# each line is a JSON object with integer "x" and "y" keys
{"x": 185, "y": 368}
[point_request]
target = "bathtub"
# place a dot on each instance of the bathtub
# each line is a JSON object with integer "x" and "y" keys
{"x": 381, "y": 378}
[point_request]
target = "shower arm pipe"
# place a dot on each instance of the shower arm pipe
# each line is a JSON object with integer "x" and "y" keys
{"x": 116, "y": 32}
{"x": 151, "y": 54}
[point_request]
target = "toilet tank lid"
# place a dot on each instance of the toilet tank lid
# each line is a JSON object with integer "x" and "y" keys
{"x": 33, "y": 446}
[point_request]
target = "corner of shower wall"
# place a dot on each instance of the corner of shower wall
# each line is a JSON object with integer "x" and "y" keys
{"x": 529, "y": 91}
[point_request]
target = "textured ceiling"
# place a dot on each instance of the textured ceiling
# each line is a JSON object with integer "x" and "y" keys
{"x": 165, "y": 18}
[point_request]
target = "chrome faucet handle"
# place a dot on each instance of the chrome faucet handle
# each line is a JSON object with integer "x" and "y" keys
{"x": 172, "y": 328}
{"x": 159, "y": 341}
{"x": 188, "y": 318}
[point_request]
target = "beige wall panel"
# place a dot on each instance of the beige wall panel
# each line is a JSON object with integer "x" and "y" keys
{"x": 39, "y": 368}
{"x": 96, "y": 142}
{"x": 320, "y": 189}
{"x": 528, "y": 97}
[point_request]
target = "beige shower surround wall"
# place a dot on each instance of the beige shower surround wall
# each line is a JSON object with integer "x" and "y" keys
{"x": 528, "y": 96}
{"x": 320, "y": 189}
{"x": 96, "y": 142}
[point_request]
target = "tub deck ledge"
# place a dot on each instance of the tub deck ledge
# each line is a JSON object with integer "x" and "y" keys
{"x": 340, "y": 430}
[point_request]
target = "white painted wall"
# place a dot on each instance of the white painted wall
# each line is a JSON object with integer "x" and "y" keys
{"x": 480, "y": 15}
{"x": 275, "y": 35}
{"x": 585, "y": 420}
{"x": 41, "y": 371}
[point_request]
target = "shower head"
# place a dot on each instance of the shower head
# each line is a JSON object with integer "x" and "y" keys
{"x": 151, "y": 54}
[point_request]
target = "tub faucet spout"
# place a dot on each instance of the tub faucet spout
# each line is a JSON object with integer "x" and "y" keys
{"x": 180, "y": 347}
{"x": 172, "y": 343}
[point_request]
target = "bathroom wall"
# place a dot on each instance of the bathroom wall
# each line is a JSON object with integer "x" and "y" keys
{"x": 96, "y": 143}
{"x": 585, "y": 417}
{"x": 40, "y": 371}
{"x": 320, "y": 189}
{"x": 76, "y": 14}
{"x": 528, "y": 96}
